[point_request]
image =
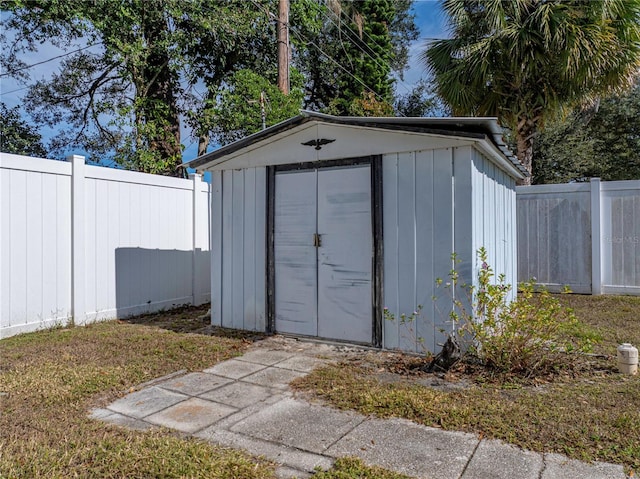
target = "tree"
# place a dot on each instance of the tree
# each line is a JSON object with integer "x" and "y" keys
{"x": 421, "y": 100}
{"x": 122, "y": 98}
{"x": 156, "y": 65}
{"x": 526, "y": 60}
{"x": 247, "y": 95}
{"x": 131, "y": 96}
{"x": 349, "y": 52}
{"x": 599, "y": 142}
{"x": 228, "y": 37}
{"x": 17, "y": 136}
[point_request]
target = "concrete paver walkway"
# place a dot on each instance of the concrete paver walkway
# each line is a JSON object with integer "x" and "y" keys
{"x": 246, "y": 403}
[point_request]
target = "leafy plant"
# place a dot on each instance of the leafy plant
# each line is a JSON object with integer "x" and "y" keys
{"x": 528, "y": 335}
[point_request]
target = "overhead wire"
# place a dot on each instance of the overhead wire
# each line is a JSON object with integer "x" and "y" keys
{"x": 371, "y": 53}
{"x": 13, "y": 91}
{"x": 304, "y": 39}
{"x": 26, "y": 67}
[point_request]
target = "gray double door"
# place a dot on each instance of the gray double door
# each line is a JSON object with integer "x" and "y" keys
{"x": 323, "y": 253}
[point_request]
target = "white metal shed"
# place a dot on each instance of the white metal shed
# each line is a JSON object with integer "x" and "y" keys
{"x": 320, "y": 222}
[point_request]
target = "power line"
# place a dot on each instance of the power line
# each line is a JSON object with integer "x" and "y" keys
{"x": 304, "y": 39}
{"x": 13, "y": 91}
{"x": 11, "y": 72}
{"x": 377, "y": 60}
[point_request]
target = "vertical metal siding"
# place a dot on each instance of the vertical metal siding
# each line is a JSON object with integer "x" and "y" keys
{"x": 238, "y": 249}
{"x": 407, "y": 294}
{"x": 427, "y": 234}
{"x": 217, "y": 252}
{"x": 391, "y": 281}
{"x": 422, "y": 230}
{"x": 443, "y": 242}
{"x": 494, "y": 225}
{"x": 418, "y": 242}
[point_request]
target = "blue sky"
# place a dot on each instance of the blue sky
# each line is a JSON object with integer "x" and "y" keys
{"x": 429, "y": 19}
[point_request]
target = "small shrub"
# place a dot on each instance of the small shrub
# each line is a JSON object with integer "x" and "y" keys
{"x": 529, "y": 335}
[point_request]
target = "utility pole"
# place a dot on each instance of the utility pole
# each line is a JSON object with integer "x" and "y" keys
{"x": 283, "y": 46}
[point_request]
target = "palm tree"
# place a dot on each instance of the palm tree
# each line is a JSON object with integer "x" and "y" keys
{"x": 527, "y": 60}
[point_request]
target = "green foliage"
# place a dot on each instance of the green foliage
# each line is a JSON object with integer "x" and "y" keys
{"x": 124, "y": 91}
{"x": 368, "y": 55}
{"x": 238, "y": 110}
{"x": 149, "y": 60}
{"x": 17, "y": 136}
{"x": 529, "y": 335}
{"x": 602, "y": 141}
{"x": 350, "y": 52}
{"x": 526, "y": 60}
{"x": 420, "y": 101}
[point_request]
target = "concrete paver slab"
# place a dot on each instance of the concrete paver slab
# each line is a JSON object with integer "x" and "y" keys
{"x": 273, "y": 377}
{"x": 147, "y": 401}
{"x": 299, "y": 424}
{"x": 195, "y": 384}
{"x": 238, "y": 394}
{"x": 191, "y": 415}
{"x": 246, "y": 403}
{"x": 408, "y": 448}
{"x": 289, "y": 473}
{"x": 120, "y": 420}
{"x": 301, "y": 363}
{"x": 234, "y": 369}
{"x": 496, "y": 460}
{"x": 267, "y": 357}
{"x": 292, "y": 457}
{"x": 560, "y": 467}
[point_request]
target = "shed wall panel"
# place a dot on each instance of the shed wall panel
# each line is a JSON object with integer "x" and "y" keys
{"x": 443, "y": 247}
{"x": 494, "y": 225}
{"x": 238, "y": 249}
{"x": 418, "y": 242}
{"x": 216, "y": 248}
{"x": 391, "y": 232}
{"x": 425, "y": 230}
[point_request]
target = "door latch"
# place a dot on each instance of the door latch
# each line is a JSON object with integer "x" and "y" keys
{"x": 317, "y": 240}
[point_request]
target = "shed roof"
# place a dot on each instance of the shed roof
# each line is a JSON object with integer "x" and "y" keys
{"x": 484, "y": 129}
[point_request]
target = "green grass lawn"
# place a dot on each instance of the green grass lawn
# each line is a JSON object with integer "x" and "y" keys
{"x": 50, "y": 380}
{"x": 590, "y": 412}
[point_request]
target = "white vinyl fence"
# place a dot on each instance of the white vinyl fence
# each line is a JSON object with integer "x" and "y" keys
{"x": 87, "y": 243}
{"x": 583, "y": 235}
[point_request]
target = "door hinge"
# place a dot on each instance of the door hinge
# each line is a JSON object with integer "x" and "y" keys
{"x": 317, "y": 240}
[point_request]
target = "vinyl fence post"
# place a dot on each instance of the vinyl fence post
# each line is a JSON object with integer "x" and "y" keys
{"x": 78, "y": 277}
{"x": 596, "y": 238}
